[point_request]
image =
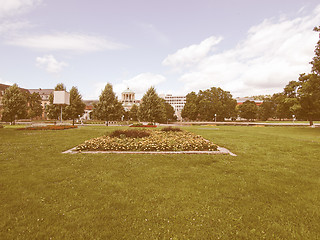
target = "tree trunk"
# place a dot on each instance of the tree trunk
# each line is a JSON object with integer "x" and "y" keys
{"x": 311, "y": 122}
{"x": 73, "y": 122}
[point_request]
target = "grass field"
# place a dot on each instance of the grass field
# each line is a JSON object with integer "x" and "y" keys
{"x": 271, "y": 190}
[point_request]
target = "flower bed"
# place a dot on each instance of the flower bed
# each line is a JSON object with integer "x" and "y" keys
{"x": 156, "y": 141}
{"x": 49, "y": 127}
{"x": 142, "y": 125}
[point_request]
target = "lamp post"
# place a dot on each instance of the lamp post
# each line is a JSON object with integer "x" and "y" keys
{"x": 293, "y": 118}
{"x": 215, "y": 117}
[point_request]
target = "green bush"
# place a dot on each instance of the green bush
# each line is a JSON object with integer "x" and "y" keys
{"x": 171, "y": 129}
{"x": 130, "y": 133}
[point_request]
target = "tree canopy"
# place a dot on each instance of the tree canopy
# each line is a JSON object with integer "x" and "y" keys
{"x": 14, "y": 104}
{"x": 152, "y": 108}
{"x": 76, "y": 106}
{"x": 108, "y": 108}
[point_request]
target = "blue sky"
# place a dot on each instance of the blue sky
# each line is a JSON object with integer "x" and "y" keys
{"x": 245, "y": 47}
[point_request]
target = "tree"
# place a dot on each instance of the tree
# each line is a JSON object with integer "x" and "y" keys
{"x": 208, "y": 104}
{"x": 309, "y": 97}
{"x": 133, "y": 113}
{"x": 152, "y": 108}
{"x": 14, "y": 104}
{"x": 190, "y": 110}
{"x": 170, "y": 113}
{"x": 108, "y": 108}
{"x": 34, "y": 105}
{"x": 248, "y": 110}
{"x": 267, "y": 109}
{"x": 53, "y": 111}
{"x": 76, "y": 106}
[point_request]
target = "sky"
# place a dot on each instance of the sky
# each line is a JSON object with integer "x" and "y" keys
{"x": 246, "y": 47}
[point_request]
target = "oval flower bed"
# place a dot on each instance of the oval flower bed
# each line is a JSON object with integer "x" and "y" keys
{"x": 156, "y": 141}
{"x": 49, "y": 127}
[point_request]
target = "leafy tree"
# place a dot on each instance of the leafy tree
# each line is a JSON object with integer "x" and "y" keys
{"x": 76, "y": 106}
{"x": 133, "y": 113}
{"x": 53, "y": 111}
{"x": 248, "y": 110}
{"x": 14, "y": 104}
{"x": 309, "y": 97}
{"x": 34, "y": 105}
{"x": 190, "y": 110}
{"x": 152, "y": 108}
{"x": 267, "y": 109}
{"x": 170, "y": 113}
{"x": 108, "y": 108}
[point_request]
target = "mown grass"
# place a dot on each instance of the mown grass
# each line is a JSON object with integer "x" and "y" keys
{"x": 269, "y": 191}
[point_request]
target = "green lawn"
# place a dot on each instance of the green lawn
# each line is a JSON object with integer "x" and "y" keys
{"x": 271, "y": 190}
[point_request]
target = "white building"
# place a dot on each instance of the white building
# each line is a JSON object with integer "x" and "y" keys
{"x": 128, "y": 99}
{"x": 177, "y": 102}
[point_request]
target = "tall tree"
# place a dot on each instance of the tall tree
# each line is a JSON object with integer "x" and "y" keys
{"x": 14, "y": 104}
{"x": 108, "y": 108}
{"x": 53, "y": 111}
{"x": 170, "y": 113}
{"x": 267, "y": 109}
{"x": 34, "y": 105}
{"x": 248, "y": 110}
{"x": 152, "y": 108}
{"x": 76, "y": 106}
{"x": 190, "y": 110}
{"x": 133, "y": 113}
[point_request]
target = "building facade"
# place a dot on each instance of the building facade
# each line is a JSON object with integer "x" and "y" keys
{"x": 128, "y": 99}
{"x": 177, "y": 102}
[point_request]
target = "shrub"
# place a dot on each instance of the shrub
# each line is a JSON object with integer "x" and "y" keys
{"x": 171, "y": 129}
{"x": 1, "y": 126}
{"x": 130, "y": 133}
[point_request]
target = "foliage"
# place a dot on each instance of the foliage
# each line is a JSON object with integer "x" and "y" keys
{"x": 130, "y": 133}
{"x": 76, "y": 106}
{"x": 208, "y": 104}
{"x": 108, "y": 108}
{"x": 170, "y": 113}
{"x": 189, "y": 110}
{"x": 133, "y": 113}
{"x": 1, "y": 126}
{"x": 49, "y": 127}
{"x": 171, "y": 129}
{"x": 14, "y": 104}
{"x": 266, "y": 110}
{"x": 34, "y": 105}
{"x": 152, "y": 108}
{"x": 53, "y": 110}
{"x": 248, "y": 110}
{"x": 143, "y": 125}
{"x": 156, "y": 141}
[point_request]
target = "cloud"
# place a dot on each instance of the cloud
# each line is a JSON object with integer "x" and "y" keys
{"x": 13, "y": 26}
{"x": 191, "y": 55}
{"x": 66, "y": 41}
{"x": 10, "y": 8}
{"x": 50, "y": 64}
{"x": 273, "y": 53}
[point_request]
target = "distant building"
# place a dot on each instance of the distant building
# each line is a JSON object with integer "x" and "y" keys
{"x": 44, "y": 94}
{"x": 128, "y": 99}
{"x": 88, "y": 109}
{"x": 243, "y": 99}
{"x": 177, "y": 102}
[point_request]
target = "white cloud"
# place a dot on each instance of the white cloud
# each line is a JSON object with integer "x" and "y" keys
{"x": 191, "y": 55}
{"x": 139, "y": 84}
{"x": 66, "y": 41}
{"x": 14, "y": 7}
{"x": 273, "y": 53}
{"x": 50, "y": 64}
{"x": 13, "y": 26}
